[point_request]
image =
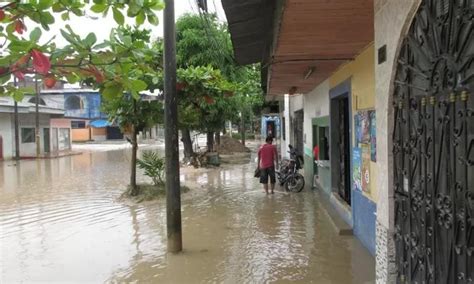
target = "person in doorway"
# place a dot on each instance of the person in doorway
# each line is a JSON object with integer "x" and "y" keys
{"x": 316, "y": 152}
{"x": 267, "y": 161}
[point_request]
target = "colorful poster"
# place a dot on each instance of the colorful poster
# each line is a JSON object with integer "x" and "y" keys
{"x": 373, "y": 137}
{"x": 358, "y": 136}
{"x": 357, "y": 169}
{"x": 364, "y": 127}
{"x": 365, "y": 167}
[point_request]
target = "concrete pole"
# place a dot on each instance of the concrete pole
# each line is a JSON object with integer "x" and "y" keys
{"x": 17, "y": 130}
{"x": 173, "y": 196}
{"x": 37, "y": 120}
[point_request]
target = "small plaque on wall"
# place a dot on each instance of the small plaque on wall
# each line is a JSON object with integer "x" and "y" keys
{"x": 382, "y": 54}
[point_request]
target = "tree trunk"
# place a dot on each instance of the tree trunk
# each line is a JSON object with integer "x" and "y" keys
{"x": 210, "y": 141}
{"x": 133, "y": 173}
{"x": 242, "y": 129}
{"x": 187, "y": 143}
{"x": 224, "y": 129}
{"x": 218, "y": 138}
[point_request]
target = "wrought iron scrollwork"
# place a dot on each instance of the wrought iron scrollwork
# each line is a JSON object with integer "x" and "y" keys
{"x": 433, "y": 146}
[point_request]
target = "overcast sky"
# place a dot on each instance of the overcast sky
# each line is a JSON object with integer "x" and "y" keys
{"x": 102, "y": 26}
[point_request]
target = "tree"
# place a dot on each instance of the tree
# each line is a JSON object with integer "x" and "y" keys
{"x": 140, "y": 70}
{"x": 81, "y": 59}
{"x": 203, "y": 41}
{"x": 133, "y": 115}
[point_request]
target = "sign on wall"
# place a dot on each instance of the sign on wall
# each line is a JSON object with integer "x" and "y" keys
{"x": 365, "y": 149}
{"x": 357, "y": 168}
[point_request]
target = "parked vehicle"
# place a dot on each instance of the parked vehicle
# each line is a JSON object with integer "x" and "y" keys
{"x": 288, "y": 174}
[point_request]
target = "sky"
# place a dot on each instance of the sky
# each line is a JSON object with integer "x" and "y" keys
{"x": 102, "y": 26}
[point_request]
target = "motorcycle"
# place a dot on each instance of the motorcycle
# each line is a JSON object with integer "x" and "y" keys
{"x": 288, "y": 174}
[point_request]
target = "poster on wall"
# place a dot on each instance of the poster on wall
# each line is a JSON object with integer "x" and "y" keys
{"x": 365, "y": 149}
{"x": 373, "y": 137}
{"x": 357, "y": 170}
{"x": 362, "y": 127}
{"x": 364, "y": 121}
{"x": 357, "y": 133}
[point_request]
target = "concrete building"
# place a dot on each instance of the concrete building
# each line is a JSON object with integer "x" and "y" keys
{"x": 54, "y": 134}
{"x": 386, "y": 87}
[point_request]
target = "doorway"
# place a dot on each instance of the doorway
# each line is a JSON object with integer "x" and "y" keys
{"x": 433, "y": 147}
{"x": 271, "y": 129}
{"x": 341, "y": 152}
{"x": 46, "y": 139}
{"x": 55, "y": 140}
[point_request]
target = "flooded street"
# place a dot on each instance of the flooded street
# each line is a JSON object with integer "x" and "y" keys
{"x": 61, "y": 220}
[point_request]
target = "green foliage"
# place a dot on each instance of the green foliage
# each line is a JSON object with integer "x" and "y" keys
{"x": 153, "y": 165}
{"x": 124, "y": 63}
{"x": 129, "y": 112}
{"x": 217, "y": 89}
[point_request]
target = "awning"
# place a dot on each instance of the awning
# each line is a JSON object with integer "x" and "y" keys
{"x": 306, "y": 41}
{"x": 101, "y": 123}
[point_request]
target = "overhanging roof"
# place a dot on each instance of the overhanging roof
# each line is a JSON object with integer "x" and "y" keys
{"x": 250, "y": 24}
{"x": 317, "y": 35}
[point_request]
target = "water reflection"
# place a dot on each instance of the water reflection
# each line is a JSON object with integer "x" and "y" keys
{"x": 61, "y": 221}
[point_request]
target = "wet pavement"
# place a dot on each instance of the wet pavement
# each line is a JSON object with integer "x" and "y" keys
{"x": 61, "y": 220}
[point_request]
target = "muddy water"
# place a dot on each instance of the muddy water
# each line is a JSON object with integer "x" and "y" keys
{"x": 61, "y": 221}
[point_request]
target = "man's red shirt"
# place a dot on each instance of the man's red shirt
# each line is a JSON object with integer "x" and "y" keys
{"x": 267, "y": 154}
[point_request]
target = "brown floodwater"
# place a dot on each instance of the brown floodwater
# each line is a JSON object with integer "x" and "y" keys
{"x": 61, "y": 220}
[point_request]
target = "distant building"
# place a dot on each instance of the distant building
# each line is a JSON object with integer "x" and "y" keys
{"x": 55, "y": 133}
{"x": 82, "y": 110}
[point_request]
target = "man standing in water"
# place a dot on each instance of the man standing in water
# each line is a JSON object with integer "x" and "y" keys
{"x": 267, "y": 161}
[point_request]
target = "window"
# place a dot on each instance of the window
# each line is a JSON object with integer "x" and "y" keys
{"x": 77, "y": 124}
{"x": 40, "y": 101}
{"x": 73, "y": 103}
{"x": 64, "y": 139}
{"x": 28, "y": 135}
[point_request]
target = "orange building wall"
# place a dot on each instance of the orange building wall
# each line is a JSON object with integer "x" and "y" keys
{"x": 99, "y": 131}
{"x": 79, "y": 135}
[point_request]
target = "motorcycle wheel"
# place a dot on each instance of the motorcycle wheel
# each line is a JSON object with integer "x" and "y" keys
{"x": 295, "y": 183}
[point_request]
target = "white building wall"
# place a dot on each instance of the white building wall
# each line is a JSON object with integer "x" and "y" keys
{"x": 392, "y": 20}
{"x": 7, "y": 133}
{"x": 287, "y": 117}
{"x": 28, "y": 121}
{"x": 296, "y": 103}
{"x": 316, "y": 104}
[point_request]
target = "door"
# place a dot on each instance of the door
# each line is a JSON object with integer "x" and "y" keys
{"x": 344, "y": 186}
{"x": 55, "y": 140}
{"x": 433, "y": 146}
{"x": 271, "y": 132}
{"x": 46, "y": 139}
{"x": 114, "y": 132}
{"x": 315, "y": 142}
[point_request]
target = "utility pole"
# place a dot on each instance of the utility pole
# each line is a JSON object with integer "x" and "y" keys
{"x": 17, "y": 134}
{"x": 173, "y": 189}
{"x": 37, "y": 120}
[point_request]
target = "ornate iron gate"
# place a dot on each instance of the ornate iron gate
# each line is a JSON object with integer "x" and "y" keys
{"x": 433, "y": 146}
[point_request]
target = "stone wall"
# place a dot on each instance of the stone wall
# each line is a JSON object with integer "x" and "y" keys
{"x": 392, "y": 20}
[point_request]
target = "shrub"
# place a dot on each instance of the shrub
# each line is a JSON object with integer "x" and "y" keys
{"x": 153, "y": 165}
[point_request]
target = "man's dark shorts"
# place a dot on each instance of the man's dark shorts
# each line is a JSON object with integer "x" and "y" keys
{"x": 265, "y": 173}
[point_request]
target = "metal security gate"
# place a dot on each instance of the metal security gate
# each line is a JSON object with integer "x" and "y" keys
{"x": 433, "y": 146}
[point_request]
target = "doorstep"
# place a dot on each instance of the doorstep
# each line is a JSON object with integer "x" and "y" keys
{"x": 340, "y": 226}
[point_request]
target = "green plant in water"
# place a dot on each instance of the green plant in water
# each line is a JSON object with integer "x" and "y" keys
{"x": 153, "y": 165}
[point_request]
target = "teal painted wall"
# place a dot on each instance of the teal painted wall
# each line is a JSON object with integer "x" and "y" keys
{"x": 323, "y": 171}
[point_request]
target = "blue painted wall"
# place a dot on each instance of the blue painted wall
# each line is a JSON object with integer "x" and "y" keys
{"x": 363, "y": 215}
{"x": 90, "y": 106}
